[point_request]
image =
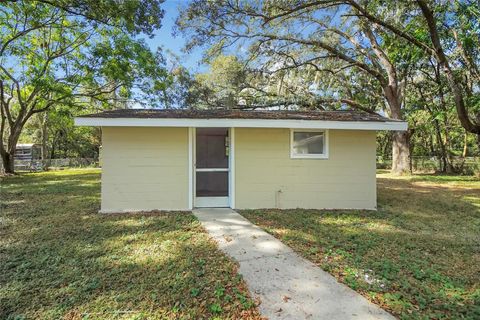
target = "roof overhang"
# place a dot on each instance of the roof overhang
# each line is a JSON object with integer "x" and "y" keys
{"x": 241, "y": 123}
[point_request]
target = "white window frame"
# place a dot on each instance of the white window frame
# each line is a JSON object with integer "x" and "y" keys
{"x": 323, "y": 156}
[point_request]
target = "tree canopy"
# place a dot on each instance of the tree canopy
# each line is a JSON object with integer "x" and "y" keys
{"x": 415, "y": 60}
{"x": 366, "y": 55}
{"x": 81, "y": 54}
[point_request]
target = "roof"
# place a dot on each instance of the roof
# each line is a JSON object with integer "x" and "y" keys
{"x": 344, "y": 119}
{"x": 25, "y": 145}
{"x": 343, "y": 115}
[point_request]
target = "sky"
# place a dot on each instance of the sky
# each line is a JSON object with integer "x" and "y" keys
{"x": 167, "y": 41}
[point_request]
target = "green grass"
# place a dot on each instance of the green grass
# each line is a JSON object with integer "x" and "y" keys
{"x": 418, "y": 256}
{"x": 61, "y": 259}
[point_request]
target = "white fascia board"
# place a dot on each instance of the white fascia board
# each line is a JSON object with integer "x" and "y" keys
{"x": 242, "y": 123}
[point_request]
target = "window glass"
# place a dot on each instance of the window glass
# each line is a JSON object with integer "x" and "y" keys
{"x": 305, "y": 143}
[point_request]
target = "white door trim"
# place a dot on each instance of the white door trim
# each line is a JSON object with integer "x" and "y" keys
{"x": 191, "y": 185}
{"x": 202, "y": 202}
{"x": 231, "y": 167}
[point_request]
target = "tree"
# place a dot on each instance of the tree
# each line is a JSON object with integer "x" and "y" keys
{"x": 71, "y": 54}
{"x": 54, "y": 129}
{"x": 471, "y": 125}
{"x": 132, "y": 16}
{"x": 224, "y": 80}
{"x": 223, "y": 85}
{"x": 443, "y": 21}
{"x": 343, "y": 38}
{"x": 332, "y": 41}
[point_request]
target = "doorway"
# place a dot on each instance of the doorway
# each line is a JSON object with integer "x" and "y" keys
{"x": 212, "y": 152}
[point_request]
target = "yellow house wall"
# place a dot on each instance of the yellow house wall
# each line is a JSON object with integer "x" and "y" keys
{"x": 266, "y": 176}
{"x": 144, "y": 168}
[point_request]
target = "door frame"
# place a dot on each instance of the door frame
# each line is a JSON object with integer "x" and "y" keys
{"x": 192, "y": 172}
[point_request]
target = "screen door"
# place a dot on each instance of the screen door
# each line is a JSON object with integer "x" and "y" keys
{"x": 211, "y": 167}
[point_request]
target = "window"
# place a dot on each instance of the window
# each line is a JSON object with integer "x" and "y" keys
{"x": 309, "y": 144}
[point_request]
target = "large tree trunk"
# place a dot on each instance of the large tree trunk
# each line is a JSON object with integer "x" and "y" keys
{"x": 8, "y": 153}
{"x": 400, "y": 152}
{"x": 392, "y": 91}
{"x": 400, "y": 139}
{"x": 7, "y": 162}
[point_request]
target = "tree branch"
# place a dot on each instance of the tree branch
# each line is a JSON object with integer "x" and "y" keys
{"x": 379, "y": 76}
{"x": 443, "y": 61}
{"x": 374, "y": 18}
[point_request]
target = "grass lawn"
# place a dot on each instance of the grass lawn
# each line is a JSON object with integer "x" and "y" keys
{"x": 60, "y": 259}
{"x": 418, "y": 256}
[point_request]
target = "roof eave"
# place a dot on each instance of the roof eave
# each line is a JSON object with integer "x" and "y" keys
{"x": 241, "y": 123}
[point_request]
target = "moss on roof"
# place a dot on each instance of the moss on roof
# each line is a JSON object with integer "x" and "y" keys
{"x": 343, "y": 115}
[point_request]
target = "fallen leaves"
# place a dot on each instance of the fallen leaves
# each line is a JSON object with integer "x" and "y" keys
{"x": 60, "y": 259}
{"x": 417, "y": 256}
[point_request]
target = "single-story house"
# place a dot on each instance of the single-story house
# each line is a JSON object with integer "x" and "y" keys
{"x": 181, "y": 159}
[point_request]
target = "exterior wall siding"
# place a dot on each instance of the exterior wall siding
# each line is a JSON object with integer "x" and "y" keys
{"x": 144, "y": 168}
{"x": 266, "y": 176}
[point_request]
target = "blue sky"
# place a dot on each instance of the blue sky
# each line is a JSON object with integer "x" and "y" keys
{"x": 167, "y": 41}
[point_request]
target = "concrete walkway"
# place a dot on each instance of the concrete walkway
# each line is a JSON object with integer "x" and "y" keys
{"x": 289, "y": 287}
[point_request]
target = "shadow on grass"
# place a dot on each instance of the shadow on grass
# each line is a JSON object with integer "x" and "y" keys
{"x": 52, "y": 182}
{"x": 61, "y": 259}
{"x": 432, "y": 177}
{"x": 417, "y": 256}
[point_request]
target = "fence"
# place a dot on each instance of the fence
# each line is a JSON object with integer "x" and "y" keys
{"x": 468, "y": 165}
{"x": 39, "y": 165}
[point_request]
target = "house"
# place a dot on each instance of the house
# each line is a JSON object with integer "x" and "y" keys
{"x": 181, "y": 159}
{"x": 27, "y": 151}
